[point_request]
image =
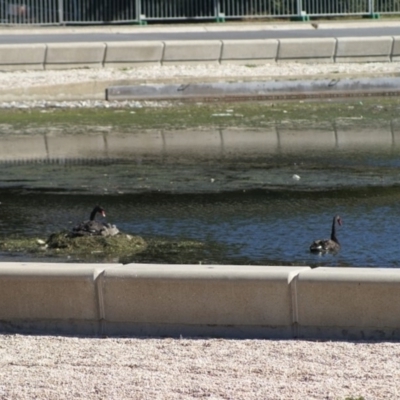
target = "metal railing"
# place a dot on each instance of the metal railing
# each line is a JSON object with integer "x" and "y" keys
{"x": 59, "y": 12}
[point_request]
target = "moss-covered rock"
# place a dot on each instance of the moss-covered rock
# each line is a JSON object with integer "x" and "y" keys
{"x": 122, "y": 248}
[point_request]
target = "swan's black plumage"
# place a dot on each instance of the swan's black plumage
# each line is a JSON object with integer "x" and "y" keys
{"x": 331, "y": 245}
{"x": 93, "y": 227}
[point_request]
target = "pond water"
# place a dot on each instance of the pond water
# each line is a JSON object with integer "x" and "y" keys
{"x": 264, "y": 204}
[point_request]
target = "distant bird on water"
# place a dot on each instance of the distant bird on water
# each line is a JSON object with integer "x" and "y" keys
{"x": 331, "y": 245}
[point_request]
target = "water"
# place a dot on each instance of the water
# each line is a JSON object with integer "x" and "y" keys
{"x": 248, "y": 202}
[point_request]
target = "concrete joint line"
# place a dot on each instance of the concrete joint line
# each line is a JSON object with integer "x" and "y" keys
{"x": 278, "y": 49}
{"x": 46, "y": 48}
{"x": 292, "y": 281}
{"x": 335, "y": 50}
{"x": 392, "y": 49}
{"x": 98, "y": 281}
{"x": 221, "y": 52}
{"x": 163, "y": 53}
{"x": 103, "y": 63}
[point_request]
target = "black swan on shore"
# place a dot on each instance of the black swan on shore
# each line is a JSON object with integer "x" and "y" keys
{"x": 93, "y": 227}
{"x": 331, "y": 245}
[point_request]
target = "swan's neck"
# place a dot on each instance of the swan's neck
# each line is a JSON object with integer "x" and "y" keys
{"x": 93, "y": 215}
{"x": 333, "y": 233}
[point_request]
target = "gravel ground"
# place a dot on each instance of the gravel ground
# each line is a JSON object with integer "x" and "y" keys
{"x": 159, "y": 74}
{"x": 89, "y": 368}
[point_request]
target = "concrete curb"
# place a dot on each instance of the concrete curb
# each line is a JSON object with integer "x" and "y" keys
{"x": 98, "y": 55}
{"x": 267, "y": 90}
{"x": 200, "y": 300}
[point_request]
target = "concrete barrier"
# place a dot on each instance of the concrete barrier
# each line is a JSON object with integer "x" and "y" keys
{"x": 307, "y": 50}
{"x": 22, "y": 148}
{"x": 74, "y": 55}
{"x": 367, "y": 49}
{"x": 22, "y": 56}
{"x": 257, "y": 142}
{"x": 348, "y": 303}
{"x": 131, "y": 54}
{"x": 249, "y": 51}
{"x": 192, "y": 52}
{"x": 39, "y": 297}
{"x": 199, "y": 300}
{"x": 127, "y": 145}
{"x": 294, "y": 141}
{"x": 396, "y": 49}
{"x": 204, "y": 142}
{"x": 364, "y": 138}
{"x": 60, "y": 146}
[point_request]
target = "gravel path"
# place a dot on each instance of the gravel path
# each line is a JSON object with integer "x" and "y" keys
{"x": 21, "y": 79}
{"x": 83, "y": 368}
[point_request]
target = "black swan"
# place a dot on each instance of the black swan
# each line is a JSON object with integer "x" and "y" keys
{"x": 331, "y": 245}
{"x": 94, "y": 228}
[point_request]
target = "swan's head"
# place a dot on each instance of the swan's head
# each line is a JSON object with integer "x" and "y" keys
{"x": 100, "y": 210}
{"x": 338, "y": 220}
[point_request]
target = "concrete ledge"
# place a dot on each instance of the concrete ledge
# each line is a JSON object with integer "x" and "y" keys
{"x": 75, "y": 55}
{"x": 49, "y": 294}
{"x": 200, "y": 296}
{"x": 349, "y": 303}
{"x": 249, "y": 51}
{"x": 88, "y": 146}
{"x": 22, "y": 56}
{"x": 24, "y": 147}
{"x": 365, "y": 138}
{"x": 367, "y": 49}
{"x": 193, "y": 141}
{"x": 396, "y": 49}
{"x": 265, "y": 141}
{"x": 130, "y": 54}
{"x": 200, "y": 300}
{"x": 313, "y": 139}
{"x": 272, "y": 89}
{"x": 192, "y": 52}
{"x": 307, "y": 50}
{"x": 122, "y": 145}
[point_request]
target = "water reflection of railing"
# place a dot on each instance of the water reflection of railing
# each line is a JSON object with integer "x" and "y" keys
{"x": 203, "y": 143}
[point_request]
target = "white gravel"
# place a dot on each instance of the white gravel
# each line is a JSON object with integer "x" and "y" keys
{"x": 23, "y": 79}
{"x": 89, "y": 368}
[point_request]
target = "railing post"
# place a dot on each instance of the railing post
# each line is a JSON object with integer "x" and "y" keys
{"x": 219, "y": 17}
{"x": 371, "y": 10}
{"x": 60, "y": 12}
{"x": 301, "y": 14}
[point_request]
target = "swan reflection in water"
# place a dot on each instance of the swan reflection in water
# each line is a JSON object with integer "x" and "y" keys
{"x": 331, "y": 245}
{"x": 93, "y": 227}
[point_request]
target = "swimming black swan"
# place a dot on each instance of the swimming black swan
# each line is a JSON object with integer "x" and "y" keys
{"x": 94, "y": 228}
{"x": 331, "y": 245}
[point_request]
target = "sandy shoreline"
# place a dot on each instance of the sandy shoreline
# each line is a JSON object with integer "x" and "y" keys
{"x": 91, "y": 368}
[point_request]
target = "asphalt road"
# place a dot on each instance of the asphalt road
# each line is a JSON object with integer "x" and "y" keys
{"x": 197, "y": 35}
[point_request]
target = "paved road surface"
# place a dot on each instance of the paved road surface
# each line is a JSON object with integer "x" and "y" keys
{"x": 143, "y": 34}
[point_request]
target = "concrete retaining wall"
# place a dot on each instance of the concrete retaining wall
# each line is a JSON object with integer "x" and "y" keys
{"x": 125, "y": 54}
{"x": 207, "y": 144}
{"x": 200, "y": 300}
